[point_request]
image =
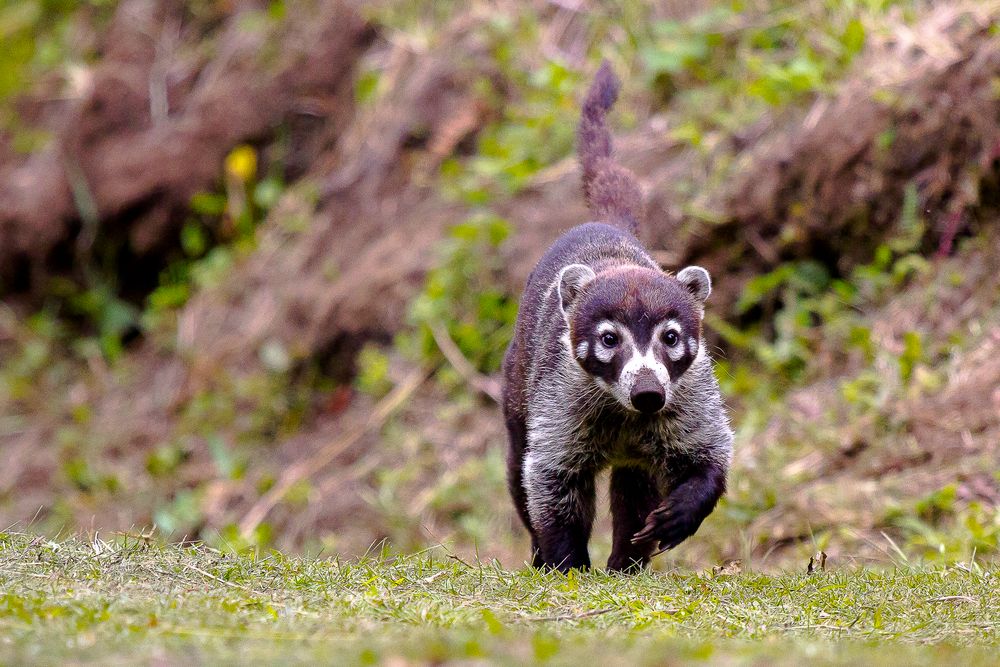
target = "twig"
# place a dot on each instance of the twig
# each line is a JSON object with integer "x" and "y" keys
{"x": 484, "y": 385}
{"x": 572, "y": 617}
{"x": 308, "y": 467}
{"x": 434, "y": 577}
{"x": 766, "y": 251}
{"x": 459, "y": 559}
{"x": 952, "y": 223}
{"x": 166, "y": 45}
{"x": 953, "y": 598}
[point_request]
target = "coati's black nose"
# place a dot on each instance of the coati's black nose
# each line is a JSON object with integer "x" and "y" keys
{"x": 647, "y": 394}
{"x": 648, "y": 402}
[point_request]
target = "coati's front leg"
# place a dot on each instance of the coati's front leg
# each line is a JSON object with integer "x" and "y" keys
{"x": 515, "y": 483}
{"x": 561, "y": 506}
{"x": 634, "y": 495}
{"x": 692, "y": 497}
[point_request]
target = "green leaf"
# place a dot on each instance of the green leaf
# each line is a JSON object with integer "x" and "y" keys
{"x": 911, "y": 356}
{"x": 194, "y": 240}
{"x": 208, "y": 203}
{"x": 853, "y": 39}
{"x": 366, "y": 86}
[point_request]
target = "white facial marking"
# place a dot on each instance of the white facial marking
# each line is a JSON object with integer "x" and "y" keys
{"x": 582, "y": 349}
{"x": 637, "y": 363}
{"x": 675, "y": 352}
{"x": 606, "y": 326}
{"x": 601, "y": 351}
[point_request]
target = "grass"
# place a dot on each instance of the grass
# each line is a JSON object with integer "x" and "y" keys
{"x": 131, "y": 599}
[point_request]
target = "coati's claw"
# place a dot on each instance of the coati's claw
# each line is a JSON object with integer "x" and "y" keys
{"x": 666, "y": 527}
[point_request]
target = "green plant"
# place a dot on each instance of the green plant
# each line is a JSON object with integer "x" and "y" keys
{"x": 111, "y": 316}
{"x": 725, "y": 66}
{"x": 373, "y": 371}
{"x": 463, "y": 297}
{"x": 795, "y": 308}
{"x": 941, "y": 528}
{"x": 535, "y": 129}
{"x": 790, "y": 302}
{"x": 38, "y": 37}
{"x": 221, "y": 227}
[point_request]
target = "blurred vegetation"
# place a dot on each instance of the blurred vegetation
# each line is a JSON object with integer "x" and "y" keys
{"x": 41, "y": 37}
{"x": 220, "y": 229}
{"x": 462, "y": 294}
{"x": 719, "y": 71}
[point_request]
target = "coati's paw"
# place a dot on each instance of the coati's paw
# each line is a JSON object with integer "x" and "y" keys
{"x": 668, "y": 525}
{"x": 566, "y": 566}
{"x": 629, "y": 564}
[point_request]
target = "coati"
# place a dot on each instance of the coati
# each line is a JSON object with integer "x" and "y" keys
{"x": 607, "y": 368}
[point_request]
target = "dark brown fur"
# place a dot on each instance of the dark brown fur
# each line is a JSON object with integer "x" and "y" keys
{"x": 575, "y": 403}
{"x": 611, "y": 191}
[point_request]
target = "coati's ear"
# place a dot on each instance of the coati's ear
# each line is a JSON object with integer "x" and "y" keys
{"x": 697, "y": 281}
{"x": 572, "y": 279}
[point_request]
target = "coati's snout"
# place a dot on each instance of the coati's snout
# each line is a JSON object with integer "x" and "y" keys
{"x": 647, "y": 395}
{"x": 634, "y": 330}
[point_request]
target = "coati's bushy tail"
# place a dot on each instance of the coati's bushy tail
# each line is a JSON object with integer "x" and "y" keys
{"x": 612, "y": 191}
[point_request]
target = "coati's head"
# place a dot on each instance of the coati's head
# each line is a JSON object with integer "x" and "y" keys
{"x": 634, "y": 330}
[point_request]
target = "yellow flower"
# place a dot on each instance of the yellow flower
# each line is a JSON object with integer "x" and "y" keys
{"x": 241, "y": 163}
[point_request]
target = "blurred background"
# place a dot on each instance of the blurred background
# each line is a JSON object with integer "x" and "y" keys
{"x": 259, "y": 262}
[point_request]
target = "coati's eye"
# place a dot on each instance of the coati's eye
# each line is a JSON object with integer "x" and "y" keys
{"x": 609, "y": 339}
{"x": 670, "y": 338}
